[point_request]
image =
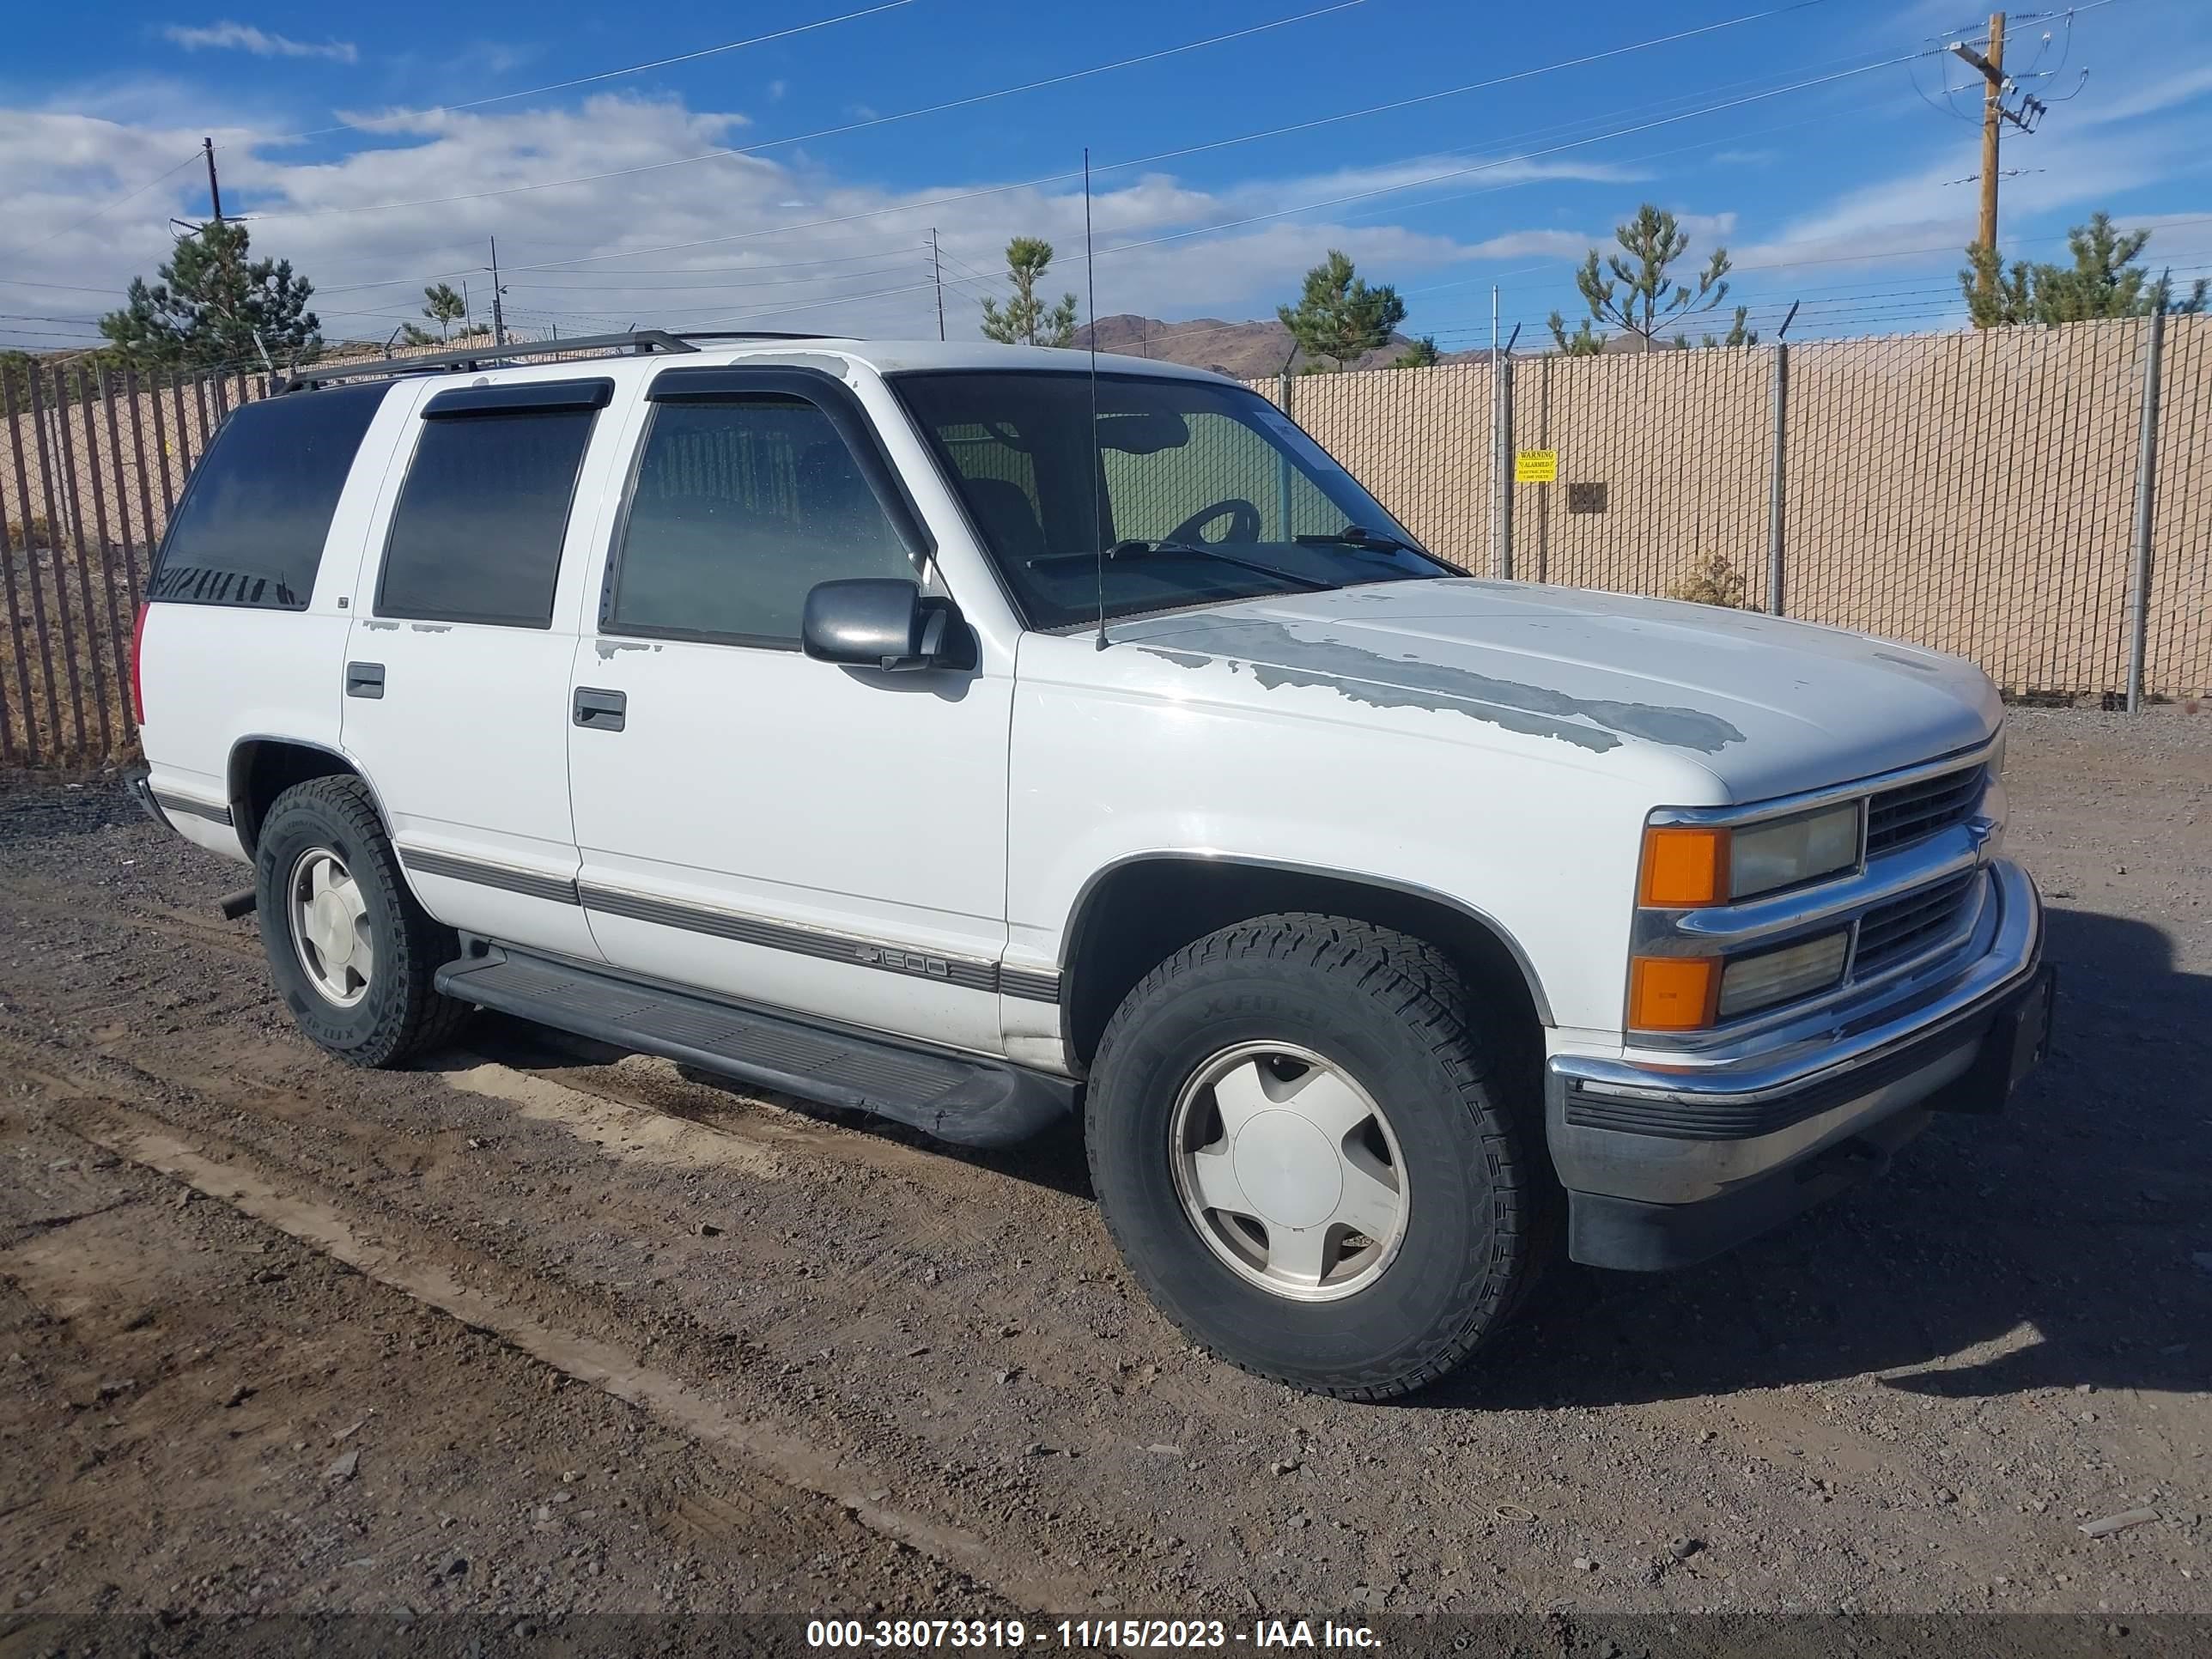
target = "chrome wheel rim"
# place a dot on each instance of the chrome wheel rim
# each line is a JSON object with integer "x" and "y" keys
{"x": 330, "y": 931}
{"x": 1289, "y": 1170}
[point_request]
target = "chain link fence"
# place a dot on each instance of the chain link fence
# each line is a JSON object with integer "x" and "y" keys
{"x": 2037, "y": 500}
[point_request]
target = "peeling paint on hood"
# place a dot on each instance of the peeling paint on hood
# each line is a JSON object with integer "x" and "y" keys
{"x": 1768, "y": 706}
{"x": 1279, "y": 657}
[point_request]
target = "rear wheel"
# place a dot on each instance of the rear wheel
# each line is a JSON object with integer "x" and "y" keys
{"x": 353, "y": 954}
{"x": 1304, "y": 1148}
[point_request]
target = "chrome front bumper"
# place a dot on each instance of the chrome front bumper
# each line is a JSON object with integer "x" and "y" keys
{"x": 1667, "y": 1160}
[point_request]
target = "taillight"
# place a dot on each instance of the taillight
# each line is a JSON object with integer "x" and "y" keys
{"x": 138, "y": 664}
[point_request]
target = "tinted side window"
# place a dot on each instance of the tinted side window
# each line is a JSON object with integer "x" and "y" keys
{"x": 251, "y": 526}
{"x": 477, "y": 534}
{"x": 739, "y": 508}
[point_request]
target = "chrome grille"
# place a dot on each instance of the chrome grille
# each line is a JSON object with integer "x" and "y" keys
{"x": 1901, "y": 929}
{"x": 1912, "y": 811}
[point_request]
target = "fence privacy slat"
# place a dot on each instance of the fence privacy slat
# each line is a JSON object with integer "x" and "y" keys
{"x": 56, "y": 537}
{"x": 148, "y": 536}
{"x": 28, "y": 550}
{"x": 83, "y": 618}
{"x": 12, "y": 754}
{"x": 1974, "y": 493}
{"x": 102, "y": 554}
{"x": 161, "y": 424}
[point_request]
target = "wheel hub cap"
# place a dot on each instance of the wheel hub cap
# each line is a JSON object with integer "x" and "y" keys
{"x": 331, "y": 928}
{"x": 1289, "y": 1171}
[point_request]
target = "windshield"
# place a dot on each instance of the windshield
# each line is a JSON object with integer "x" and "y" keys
{"x": 1197, "y": 493}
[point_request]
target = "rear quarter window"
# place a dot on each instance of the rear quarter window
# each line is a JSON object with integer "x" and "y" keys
{"x": 477, "y": 533}
{"x": 251, "y": 528}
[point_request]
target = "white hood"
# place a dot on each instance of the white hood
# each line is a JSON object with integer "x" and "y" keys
{"x": 1768, "y": 706}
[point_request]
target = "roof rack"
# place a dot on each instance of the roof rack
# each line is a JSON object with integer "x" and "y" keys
{"x": 641, "y": 342}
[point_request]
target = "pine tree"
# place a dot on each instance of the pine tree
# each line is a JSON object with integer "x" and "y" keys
{"x": 212, "y": 306}
{"x": 1422, "y": 353}
{"x": 1338, "y": 316}
{"x": 443, "y": 307}
{"x": 1025, "y": 321}
{"x": 2104, "y": 281}
{"x": 1582, "y": 342}
{"x": 1740, "y": 333}
{"x": 1633, "y": 292}
{"x": 1996, "y": 298}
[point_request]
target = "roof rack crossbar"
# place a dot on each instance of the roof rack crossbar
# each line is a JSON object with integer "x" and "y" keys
{"x": 643, "y": 342}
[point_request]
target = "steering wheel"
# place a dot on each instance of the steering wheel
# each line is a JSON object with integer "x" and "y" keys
{"x": 1244, "y": 522}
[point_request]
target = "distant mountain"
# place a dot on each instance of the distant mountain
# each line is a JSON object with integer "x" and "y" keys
{"x": 1248, "y": 351}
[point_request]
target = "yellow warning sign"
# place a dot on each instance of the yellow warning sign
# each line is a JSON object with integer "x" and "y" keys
{"x": 1535, "y": 466}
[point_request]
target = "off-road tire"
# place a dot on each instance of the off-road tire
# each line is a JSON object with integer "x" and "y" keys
{"x": 1392, "y": 1012}
{"x": 401, "y": 1014}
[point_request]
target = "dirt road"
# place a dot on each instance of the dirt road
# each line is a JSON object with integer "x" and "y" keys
{"x": 542, "y": 1330}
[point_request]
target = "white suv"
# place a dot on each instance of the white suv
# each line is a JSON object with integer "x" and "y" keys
{"x": 975, "y": 735}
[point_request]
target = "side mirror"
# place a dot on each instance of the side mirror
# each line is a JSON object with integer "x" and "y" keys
{"x": 883, "y": 622}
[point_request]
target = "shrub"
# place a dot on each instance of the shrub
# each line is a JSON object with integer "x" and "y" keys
{"x": 35, "y": 532}
{"x": 1710, "y": 578}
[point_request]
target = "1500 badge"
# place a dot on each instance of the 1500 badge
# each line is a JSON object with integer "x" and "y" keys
{"x": 904, "y": 961}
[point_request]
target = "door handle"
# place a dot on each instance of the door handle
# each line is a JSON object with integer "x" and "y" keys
{"x": 364, "y": 680}
{"x": 602, "y": 711}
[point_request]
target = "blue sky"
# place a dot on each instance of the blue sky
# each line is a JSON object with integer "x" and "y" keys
{"x": 360, "y": 144}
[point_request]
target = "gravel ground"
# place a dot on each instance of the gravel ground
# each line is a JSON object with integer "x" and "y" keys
{"x": 541, "y": 1331}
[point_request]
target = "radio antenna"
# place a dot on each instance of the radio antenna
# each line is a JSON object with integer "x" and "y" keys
{"x": 1098, "y": 456}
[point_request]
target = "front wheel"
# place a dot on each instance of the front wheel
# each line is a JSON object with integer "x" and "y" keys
{"x": 1304, "y": 1147}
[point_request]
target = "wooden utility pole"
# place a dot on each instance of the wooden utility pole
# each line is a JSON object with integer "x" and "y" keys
{"x": 1991, "y": 68}
{"x": 498, "y": 312}
{"x": 215, "y": 190}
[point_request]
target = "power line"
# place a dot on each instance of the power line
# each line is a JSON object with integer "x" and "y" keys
{"x": 707, "y": 270}
{"x": 823, "y": 132}
{"x": 604, "y": 74}
{"x": 715, "y": 283}
{"x": 1142, "y": 161}
{"x": 1509, "y": 160}
{"x": 107, "y": 206}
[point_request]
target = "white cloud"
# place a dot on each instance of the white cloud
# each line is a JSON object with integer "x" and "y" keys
{"x": 735, "y": 238}
{"x": 1537, "y": 245}
{"x": 1935, "y": 205}
{"x": 2186, "y": 86}
{"x": 244, "y": 37}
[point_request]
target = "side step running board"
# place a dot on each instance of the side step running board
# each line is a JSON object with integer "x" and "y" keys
{"x": 971, "y": 1102}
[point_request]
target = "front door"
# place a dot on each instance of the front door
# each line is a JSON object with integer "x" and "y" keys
{"x": 791, "y": 833}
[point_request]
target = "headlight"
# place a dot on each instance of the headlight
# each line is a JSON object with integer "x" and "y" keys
{"x": 1687, "y": 865}
{"x": 1789, "y": 851}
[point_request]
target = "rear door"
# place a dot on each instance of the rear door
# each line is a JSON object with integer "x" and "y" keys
{"x": 457, "y": 670}
{"x": 792, "y": 833}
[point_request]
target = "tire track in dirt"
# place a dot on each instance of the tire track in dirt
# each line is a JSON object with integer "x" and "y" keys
{"x": 186, "y": 1412}
{"x": 787, "y": 1459}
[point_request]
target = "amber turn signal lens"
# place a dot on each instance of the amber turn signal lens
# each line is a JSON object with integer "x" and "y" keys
{"x": 1684, "y": 866}
{"x": 1673, "y": 993}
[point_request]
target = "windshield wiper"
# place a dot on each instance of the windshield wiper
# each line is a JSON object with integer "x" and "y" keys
{"x": 1134, "y": 549}
{"x": 1359, "y": 536}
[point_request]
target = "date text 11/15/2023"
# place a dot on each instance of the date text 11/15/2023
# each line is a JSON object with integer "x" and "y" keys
{"x": 898, "y": 1635}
